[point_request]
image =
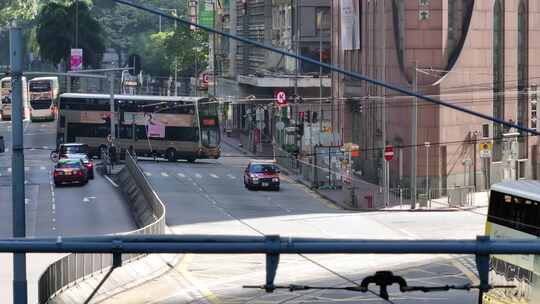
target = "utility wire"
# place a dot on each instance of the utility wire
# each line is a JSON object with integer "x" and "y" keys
{"x": 328, "y": 66}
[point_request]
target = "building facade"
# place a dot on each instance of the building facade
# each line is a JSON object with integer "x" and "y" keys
{"x": 477, "y": 55}
{"x": 250, "y": 77}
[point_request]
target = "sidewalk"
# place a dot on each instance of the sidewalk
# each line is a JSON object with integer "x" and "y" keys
{"x": 363, "y": 190}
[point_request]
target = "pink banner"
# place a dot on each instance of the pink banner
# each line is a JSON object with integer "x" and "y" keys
{"x": 156, "y": 129}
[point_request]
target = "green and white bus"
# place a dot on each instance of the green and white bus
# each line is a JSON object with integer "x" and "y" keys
{"x": 43, "y": 93}
{"x": 514, "y": 213}
{"x": 172, "y": 127}
{"x": 5, "y": 97}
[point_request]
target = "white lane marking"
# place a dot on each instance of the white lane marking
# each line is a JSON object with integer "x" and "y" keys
{"x": 111, "y": 181}
{"x": 42, "y": 168}
{"x": 9, "y": 169}
{"x": 6, "y": 150}
{"x": 195, "y": 184}
{"x": 231, "y": 176}
{"x": 26, "y": 201}
{"x": 87, "y": 199}
{"x": 181, "y": 175}
{"x": 148, "y": 173}
{"x": 164, "y": 174}
{"x": 53, "y": 207}
{"x": 213, "y": 175}
{"x": 54, "y": 219}
{"x": 26, "y": 168}
{"x": 32, "y": 149}
{"x": 45, "y": 147}
{"x": 197, "y": 175}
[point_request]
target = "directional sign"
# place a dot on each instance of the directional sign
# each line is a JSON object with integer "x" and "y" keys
{"x": 388, "y": 153}
{"x": 281, "y": 98}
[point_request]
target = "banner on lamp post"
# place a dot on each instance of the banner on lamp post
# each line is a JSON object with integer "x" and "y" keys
{"x": 76, "y": 60}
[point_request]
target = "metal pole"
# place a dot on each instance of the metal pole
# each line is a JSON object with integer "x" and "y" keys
{"x": 320, "y": 77}
{"x": 474, "y": 158}
{"x": 414, "y": 118}
{"x": 111, "y": 105}
{"x": 17, "y": 163}
{"x": 383, "y": 93}
{"x": 427, "y": 170}
{"x": 175, "y": 76}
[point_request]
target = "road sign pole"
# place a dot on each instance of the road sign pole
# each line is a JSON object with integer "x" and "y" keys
{"x": 17, "y": 163}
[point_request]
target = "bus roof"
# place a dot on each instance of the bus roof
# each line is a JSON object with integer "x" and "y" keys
{"x": 135, "y": 97}
{"x": 523, "y": 188}
{"x": 52, "y": 78}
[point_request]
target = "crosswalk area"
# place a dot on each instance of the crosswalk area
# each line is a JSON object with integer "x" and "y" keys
{"x": 7, "y": 171}
{"x": 197, "y": 176}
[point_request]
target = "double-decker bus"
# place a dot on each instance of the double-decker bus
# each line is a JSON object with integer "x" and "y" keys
{"x": 172, "y": 127}
{"x": 43, "y": 93}
{"x": 5, "y": 97}
{"x": 514, "y": 213}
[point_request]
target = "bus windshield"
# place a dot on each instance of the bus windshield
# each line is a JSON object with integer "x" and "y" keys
{"x": 40, "y": 104}
{"x": 210, "y": 137}
{"x": 40, "y": 86}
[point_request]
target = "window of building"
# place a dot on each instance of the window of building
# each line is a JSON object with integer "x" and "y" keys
{"x": 485, "y": 130}
{"x": 498, "y": 77}
{"x": 322, "y": 19}
{"x": 523, "y": 76}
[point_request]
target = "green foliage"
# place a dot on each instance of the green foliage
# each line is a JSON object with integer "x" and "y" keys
{"x": 56, "y": 28}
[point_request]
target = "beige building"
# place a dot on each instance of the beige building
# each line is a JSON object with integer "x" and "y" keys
{"x": 479, "y": 55}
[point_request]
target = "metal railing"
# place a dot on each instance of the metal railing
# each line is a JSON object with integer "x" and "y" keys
{"x": 77, "y": 266}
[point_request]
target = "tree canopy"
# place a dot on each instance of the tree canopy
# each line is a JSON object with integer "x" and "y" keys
{"x": 56, "y": 33}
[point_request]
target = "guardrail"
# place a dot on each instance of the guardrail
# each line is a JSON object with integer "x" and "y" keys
{"x": 76, "y": 266}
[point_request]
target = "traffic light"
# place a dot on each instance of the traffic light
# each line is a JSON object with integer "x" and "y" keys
{"x": 308, "y": 118}
{"x": 134, "y": 62}
{"x": 301, "y": 117}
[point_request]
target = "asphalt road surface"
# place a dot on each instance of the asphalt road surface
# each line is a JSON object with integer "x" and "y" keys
{"x": 208, "y": 197}
{"x": 96, "y": 208}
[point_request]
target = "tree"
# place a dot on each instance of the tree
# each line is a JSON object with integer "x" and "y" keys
{"x": 56, "y": 28}
{"x": 189, "y": 48}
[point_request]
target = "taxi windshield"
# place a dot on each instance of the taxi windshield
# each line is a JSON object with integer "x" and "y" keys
{"x": 69, "y": 164}
{"x": 263, "y": 168}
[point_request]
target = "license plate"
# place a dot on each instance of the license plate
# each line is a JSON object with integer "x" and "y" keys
{"x": 68, "y": 173}
{"x": 265, "y": 184}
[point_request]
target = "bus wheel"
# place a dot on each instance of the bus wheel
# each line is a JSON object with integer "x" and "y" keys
{"x": 171, "y": 155}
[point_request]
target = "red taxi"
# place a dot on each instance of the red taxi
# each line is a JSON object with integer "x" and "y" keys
{"x": 69, "y": 171}
{"x": 261, "y": 174}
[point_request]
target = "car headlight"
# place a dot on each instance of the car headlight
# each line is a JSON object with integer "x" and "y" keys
{"x": 275, "y": 179}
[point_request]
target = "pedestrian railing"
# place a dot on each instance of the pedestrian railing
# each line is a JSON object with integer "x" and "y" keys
{"x": 75, "y": 267}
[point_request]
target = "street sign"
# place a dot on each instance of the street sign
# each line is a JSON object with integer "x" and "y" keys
{"x": 281, "y": 98}
{"x": 388, "y": 153}
{"x": 485, "y": 150}
{"x": 76, "y": 60}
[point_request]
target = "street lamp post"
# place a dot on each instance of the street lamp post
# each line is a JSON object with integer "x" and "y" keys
{"x": 427, "y": 145}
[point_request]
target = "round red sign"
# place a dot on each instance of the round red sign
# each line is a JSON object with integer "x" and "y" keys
{"x": 281, "y": 98}
{"x": 388, "y": 153}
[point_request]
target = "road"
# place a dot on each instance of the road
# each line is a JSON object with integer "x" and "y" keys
{"x": 96, "y": 208}
{"x": 208, "y": 197}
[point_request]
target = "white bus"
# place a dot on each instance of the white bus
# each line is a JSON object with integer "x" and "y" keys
{"x": 5, "y": 97}
{"x": 514, "y": 213}
{"x": 43, "y": 93}
{"x": 174, "y": 127}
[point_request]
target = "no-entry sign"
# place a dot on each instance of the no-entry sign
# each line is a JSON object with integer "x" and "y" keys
{"x": 388, "y": 153}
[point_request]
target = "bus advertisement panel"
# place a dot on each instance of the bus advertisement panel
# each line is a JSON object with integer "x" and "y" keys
{"x": 171, "y": 127}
